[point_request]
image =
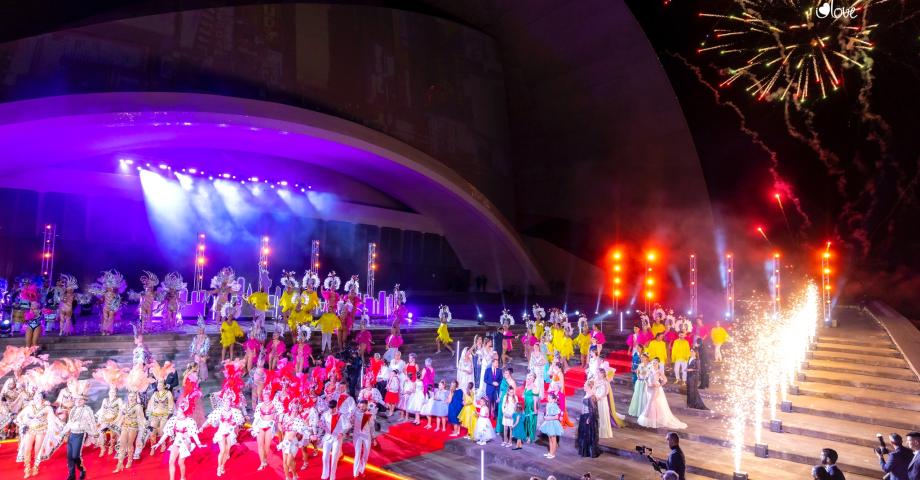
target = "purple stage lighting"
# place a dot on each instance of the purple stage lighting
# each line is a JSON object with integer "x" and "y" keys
{"x": 193, "y": 170}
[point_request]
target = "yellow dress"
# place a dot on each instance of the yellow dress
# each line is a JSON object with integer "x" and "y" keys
{"x": 680, "y": 350}
{"x": 444, "y": 335}
{"x": 567, "y": 349}
{"x": 538, "y": 329}
{"x": 468, "y": 415}
{"x": 329, "y": 322}
{"x": 657, "y": 349}
{"x": 584, "y": 343}
{"x": 229, "y": 332}
{"x": 719, "y": 335}
{"x": 299, "y": 316}
{"x": 657, "y": 328}
{"x": 286, "y": 301}
{"x": 259, "y": 301}
{"x": 311, "y": 302}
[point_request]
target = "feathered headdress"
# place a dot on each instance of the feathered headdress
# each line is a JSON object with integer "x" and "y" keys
{"x": 303, "y": 333}
{"x": 80, "y": 389}
{"x": 173, "y": 281}
{"x": 42, "y": 379}
{"x": 111, "y": 374}
{"x": 15, "y": 359}
{"x": 161, "y": 372}
{"x": 444, "y": 313}
{"x": 538, "y": 312}
{"x": 288, "y": 280}
{"x": 225, "y": 275}
{"x": 149, "y": 279}
{"x": 69, "y": 282}
{"x": 200, "y": 322}
{"x": 113, "y": 279}
{"x": 137, "y": 380}
{"x": 506, "y": 317}
{"x": 69, "y": 368}
{"x": 332, "y": 281}
{"x": 233, "y": 380}
{"x": 310, "y": 280}
{"x": 226, "y": 309}
{"x": 582, "y": 323}
{"x": 353, "y": 285}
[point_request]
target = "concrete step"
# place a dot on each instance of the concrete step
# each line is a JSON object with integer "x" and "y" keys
{"x": 862, "y": 381}
{"x": 840, "y": 347}
{"x": 868, "y": 340}
{"x": 864, "y": 413}
{"x": 435, "y": 464}
{"x": 858, "y": 369}
{"x": 859, "y": 396}
{"x": 859, "y": 358}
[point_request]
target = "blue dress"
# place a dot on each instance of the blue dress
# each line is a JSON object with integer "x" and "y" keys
{"x": 552, "y": 427}
{"x": 453, "y": 410}
{"x": 635, "y": 363}
{"x": 518, "y": 432}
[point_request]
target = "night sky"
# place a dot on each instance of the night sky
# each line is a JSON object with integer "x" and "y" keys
{"x": 854, "y": 169}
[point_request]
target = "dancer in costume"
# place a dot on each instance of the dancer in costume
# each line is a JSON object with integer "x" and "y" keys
{"x": 657, "y": 413}
{"x": 598, "y": 339}
{"x": 109, "y": 288}
{"x": 107, "y": 417}
{"x": 508, "y": 340}
{"x": 658, "y": 350}
{"x": 276, "y": 349}
{"x": 329, "y": 322}
{"x": 292, "y": 426}
{"x": 363, "y": 338}
{"x": 335, "y": 427}
{"x": 199, "y": 348}
{"x": 528, "y": 340}
{"x": 264, "y": 425}
{"x": 131, "y": 421}
{"x": 291, "y": 290}
{"x": 34, "y": 324}
{"x": 257, "y": 378}
{"x": 539, "y": 318}
{"x": 34, "y": 419}
{"x": 140, "y": 355}
{"x": 227, "y": 418}
{"x": 230, "y": 331}
{"x": 640, "y": 393}
{"x": 145, "y": 309}
{"x": 301, "y": 352}
{"x": 80, "y": 424}
{"x": 468, "y": 414}
{"x": 223, "y": 286}
{"x": 719, "y": 336}
{"x": 583, "y": 340}
{"x": 183, "y": 431}
{"x": 68, "y": 285}
{"x": 161, "y": 404}
{"x": 259, "y": 300}
{"x": 393, "y": 342}
{"x": 557, "y": 386}
{"x": 444, "y": 317}
{"x": 350, "y": 305}
{"x": 171, "y": 297}
{"x": 680, "y": 355}
{"x": 400, "y": 311}
{"x": 191, "y": 392}
{"x": 362, "y": 435}
{"x": 533, "y": 389}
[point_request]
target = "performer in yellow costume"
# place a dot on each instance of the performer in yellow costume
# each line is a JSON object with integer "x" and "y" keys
{"x": 229, "y": 331}
{"x": 583, "y": 340}
{"x": 538, "y": 315}
{"x": 291, "y": 290}
{"x": 329, "y": 322}
{"x": 719, "y": 336}
{"x": 444, "y": 317}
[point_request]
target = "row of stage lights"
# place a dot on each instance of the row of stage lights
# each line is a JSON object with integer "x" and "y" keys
{"x": 125, "y": 164}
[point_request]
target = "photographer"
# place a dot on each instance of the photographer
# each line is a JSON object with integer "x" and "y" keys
{"x": 675, "y": 459}
{"x": 898, "y": 460}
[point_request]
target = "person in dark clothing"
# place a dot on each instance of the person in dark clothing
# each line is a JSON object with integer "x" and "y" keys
{"x": 829, "y": 461}
{"x": 498, "y": 341}
{"x": 898, "y": 460}
{"x": 588, "y": 437}
{"x": 913, "y": 442}
{"x": 702, "y": 357}
{"x": 694, "y": 400}
{"x": 675, "y": 459}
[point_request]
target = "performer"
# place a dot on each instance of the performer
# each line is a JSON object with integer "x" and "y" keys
{"x": 227, "y": 418}
{"x": 109, "y": 288}
{"x": 301, "y": 353}
{"x": 329, "y": 322}
{"x": 702, "y": 363}
{"x": 657, "y": 350}
{"x": 363, "y": 337}
{"x": 34, "y": 323}
{"x": 161, "y": 405}
{"x": 171, "y": 299}
{"x": 640, "y": 394}
{"x": 80, "y": 424}
{"x": 259, "y": 302}
{"x": 224, "y": 286}
{"x": 465, "y": 367}
{"x": 444, "y": 317}
{"x": 335, "y": 427}
{"x": 468, "y": 414}
{"x": 394, "y": 341}
{"x": 719, "y": 336}
{"x": 145, "y": 310}
{"x": 539, "y": 317}
{"x": 532, "y": 394}
{"x": 183, "y": 431}
{"x": 506, "y": 388}
{"x": 140, "y": 355}
{"x": 349, "y": 306}
{"x": 680, "y": 355}
{"x": 587, "y": 438}
{"x": 694, "y": 400}
{"x": 606, "y": 406}
{"x": 252, "y": 347}
{"x": 34, "y": 419}
{"x": 291, "y": 290}
{"x": 257, "y": 378}
{"x": 68, "y": 285}
{"x": 276, "y": 349}
{"x": 107, "y": 417}
{"x": 528, "y": 340}
{"x": 657, "y": 413}
{"x": 230, "y": 331}
{"x": 199, "y": 349}
{"x": 483, "y": 432}
{"x": 132, "y": 423}
{"x": 362, "y": 435}
{"x": 583, "y": 340}
{"x": 552, "y": 426}
{"x": 393, "y": 395}
{"x": 455, "y": 407}
{"x": 400, "y": 311}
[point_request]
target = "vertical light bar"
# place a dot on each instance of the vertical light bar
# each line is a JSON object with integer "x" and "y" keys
{"x": 777, "y": 297}
{"x": 693, "y": 286}
{"x": 649, "y": 281}
{"x": 314, "y": 256}
{"x": 729, "y": 287}
{"x": 264, "y": 251}
{"x": 826, "y": 284}
{"x": 617, "y": 279}
{"x": 371, "y": 268}
{"x": 48, "y": 240}
{"x": 199, "y": 264}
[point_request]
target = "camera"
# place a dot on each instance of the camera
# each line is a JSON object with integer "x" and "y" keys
{"x": 882, "y": 449}
{"x": 643, "y": 450}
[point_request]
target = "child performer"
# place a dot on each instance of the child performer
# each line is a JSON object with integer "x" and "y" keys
{"x": 393, "y": 392}
{"x": 517, "y": 426}
{"x": 184, "y": 434}
{"x": 336, "y": 426}
{"x": 227, "y": 418}
{"x": 551, "y": 425}
{"x": 329, "y": 322}
{"x": 680, "y": 355}
{"x": 301, "y": 352}
{"x": 508, "y": 407}
{"x": 230, "y": 331}
{"x": 484, "y": 432}
{"x": 444, "y": 317}
{"x": 362, "y": 435}
{"x": 160, "y": 406}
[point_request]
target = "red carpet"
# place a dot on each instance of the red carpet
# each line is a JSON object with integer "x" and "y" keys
{"x": 401, "y": 442}
{"x": 575, "y": 376}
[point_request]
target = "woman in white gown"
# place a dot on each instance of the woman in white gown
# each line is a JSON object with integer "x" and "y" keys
{"x": 657, "y": 413}
{"x": 465, "y": 368}
{"x": 485, "y": 361}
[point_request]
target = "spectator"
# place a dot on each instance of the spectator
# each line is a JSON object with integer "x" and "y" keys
{"x": 898, "y": 460}
{"x": 913, "y": 442}
{"x": 829, "y": 460}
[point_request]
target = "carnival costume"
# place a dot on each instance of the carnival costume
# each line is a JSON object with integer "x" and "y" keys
{"x": 108, "y": 288}
{"x": 170, "y": 295}
{"x": 160, "y": 406}
{"x": 107, "y": 417}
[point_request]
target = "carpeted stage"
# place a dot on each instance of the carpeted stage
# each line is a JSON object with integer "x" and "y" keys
{"x": 402, "y": 442}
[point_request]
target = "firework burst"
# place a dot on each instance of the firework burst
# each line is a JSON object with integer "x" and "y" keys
{"x": 785, "y": 49}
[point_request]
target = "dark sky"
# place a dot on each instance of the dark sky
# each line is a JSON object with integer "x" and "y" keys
{"x": 854, "y": 174}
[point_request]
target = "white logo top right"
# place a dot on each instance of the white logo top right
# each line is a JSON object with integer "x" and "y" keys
{"x": 827, "y": 9}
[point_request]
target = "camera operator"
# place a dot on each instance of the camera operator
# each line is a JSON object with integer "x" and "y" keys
{"x": 675, "y": 459}
{"x": 898, "y": 460}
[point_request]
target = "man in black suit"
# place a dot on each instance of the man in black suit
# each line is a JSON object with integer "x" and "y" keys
{"x": 913, "y": 469}
{"x": 675, "y": 461}
{"x": 829, "y": 461}
{"x": 498, "y": 343}
{"x": 898, "y": 460}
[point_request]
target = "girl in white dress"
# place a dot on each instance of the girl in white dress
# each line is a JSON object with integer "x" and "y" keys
{"x": 484, "y": 431}
{"x": 657, "y": 413}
